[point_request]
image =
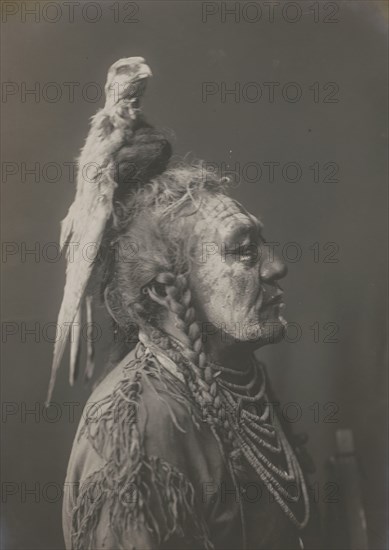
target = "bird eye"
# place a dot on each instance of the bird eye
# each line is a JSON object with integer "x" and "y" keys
{"x": 122, "y": 70}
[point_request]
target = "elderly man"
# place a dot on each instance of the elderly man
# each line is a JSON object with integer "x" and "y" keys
{"x": 184, "y": 449}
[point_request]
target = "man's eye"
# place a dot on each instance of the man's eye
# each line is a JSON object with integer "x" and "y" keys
{"x": 248, "y": 253}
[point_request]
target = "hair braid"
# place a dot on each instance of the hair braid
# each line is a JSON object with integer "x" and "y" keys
{"x": 199, "y": 375}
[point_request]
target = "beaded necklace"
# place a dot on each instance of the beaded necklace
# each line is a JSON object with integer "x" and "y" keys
{"x": 258, "y": 434}
{"x": 261, "y": 438}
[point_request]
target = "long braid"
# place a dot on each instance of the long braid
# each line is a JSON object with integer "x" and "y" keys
{"x": 197, "y": 372}
{"x": 199, "y": 375}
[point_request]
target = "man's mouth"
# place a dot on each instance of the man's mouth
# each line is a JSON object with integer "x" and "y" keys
{"x": 275, "y": 300}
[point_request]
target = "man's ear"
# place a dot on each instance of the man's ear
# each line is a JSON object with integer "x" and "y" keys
{"x": 157, "y": 293}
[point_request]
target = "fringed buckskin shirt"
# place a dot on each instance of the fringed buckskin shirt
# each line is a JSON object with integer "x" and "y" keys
{"x": 148, "y": 472}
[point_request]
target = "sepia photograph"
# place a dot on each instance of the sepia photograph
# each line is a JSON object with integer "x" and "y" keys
{"x": 194, "y": 268}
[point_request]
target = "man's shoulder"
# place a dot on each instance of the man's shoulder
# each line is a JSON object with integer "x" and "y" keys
{"x": 149, "y": 395}
{"x": 144, "y": 404}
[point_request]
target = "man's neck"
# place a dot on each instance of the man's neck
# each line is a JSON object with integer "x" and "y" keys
{"x": 229, "y": 353}
{"x": 221, "y": 348}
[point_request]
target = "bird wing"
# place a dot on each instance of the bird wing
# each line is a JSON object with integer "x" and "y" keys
{"x": 83, "y": 228}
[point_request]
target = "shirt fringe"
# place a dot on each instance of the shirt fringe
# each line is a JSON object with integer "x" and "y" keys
{"x": 140, "y": 491}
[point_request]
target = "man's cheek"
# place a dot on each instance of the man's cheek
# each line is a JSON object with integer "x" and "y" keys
{"x": 246, "y": 287}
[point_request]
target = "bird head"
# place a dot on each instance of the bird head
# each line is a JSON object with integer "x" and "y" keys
{"x": 126, "y": 82}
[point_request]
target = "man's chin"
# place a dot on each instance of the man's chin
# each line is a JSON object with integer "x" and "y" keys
{"x": 255, "y": 334}
{"x": 269, "y": 332}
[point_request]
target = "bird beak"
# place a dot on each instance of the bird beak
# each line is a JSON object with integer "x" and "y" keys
{"x": 145, "y": 72}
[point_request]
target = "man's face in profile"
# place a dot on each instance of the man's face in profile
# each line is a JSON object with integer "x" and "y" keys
{"x": 234, "y": 278}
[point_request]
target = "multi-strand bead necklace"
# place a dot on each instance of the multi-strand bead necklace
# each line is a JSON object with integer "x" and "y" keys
{"x": 259, "y": 435}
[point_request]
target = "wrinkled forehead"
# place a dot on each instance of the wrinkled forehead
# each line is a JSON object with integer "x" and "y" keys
{"x": 223, "y": 217}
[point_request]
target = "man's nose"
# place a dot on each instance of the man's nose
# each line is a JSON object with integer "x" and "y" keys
{"x": 272, "y": 268}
